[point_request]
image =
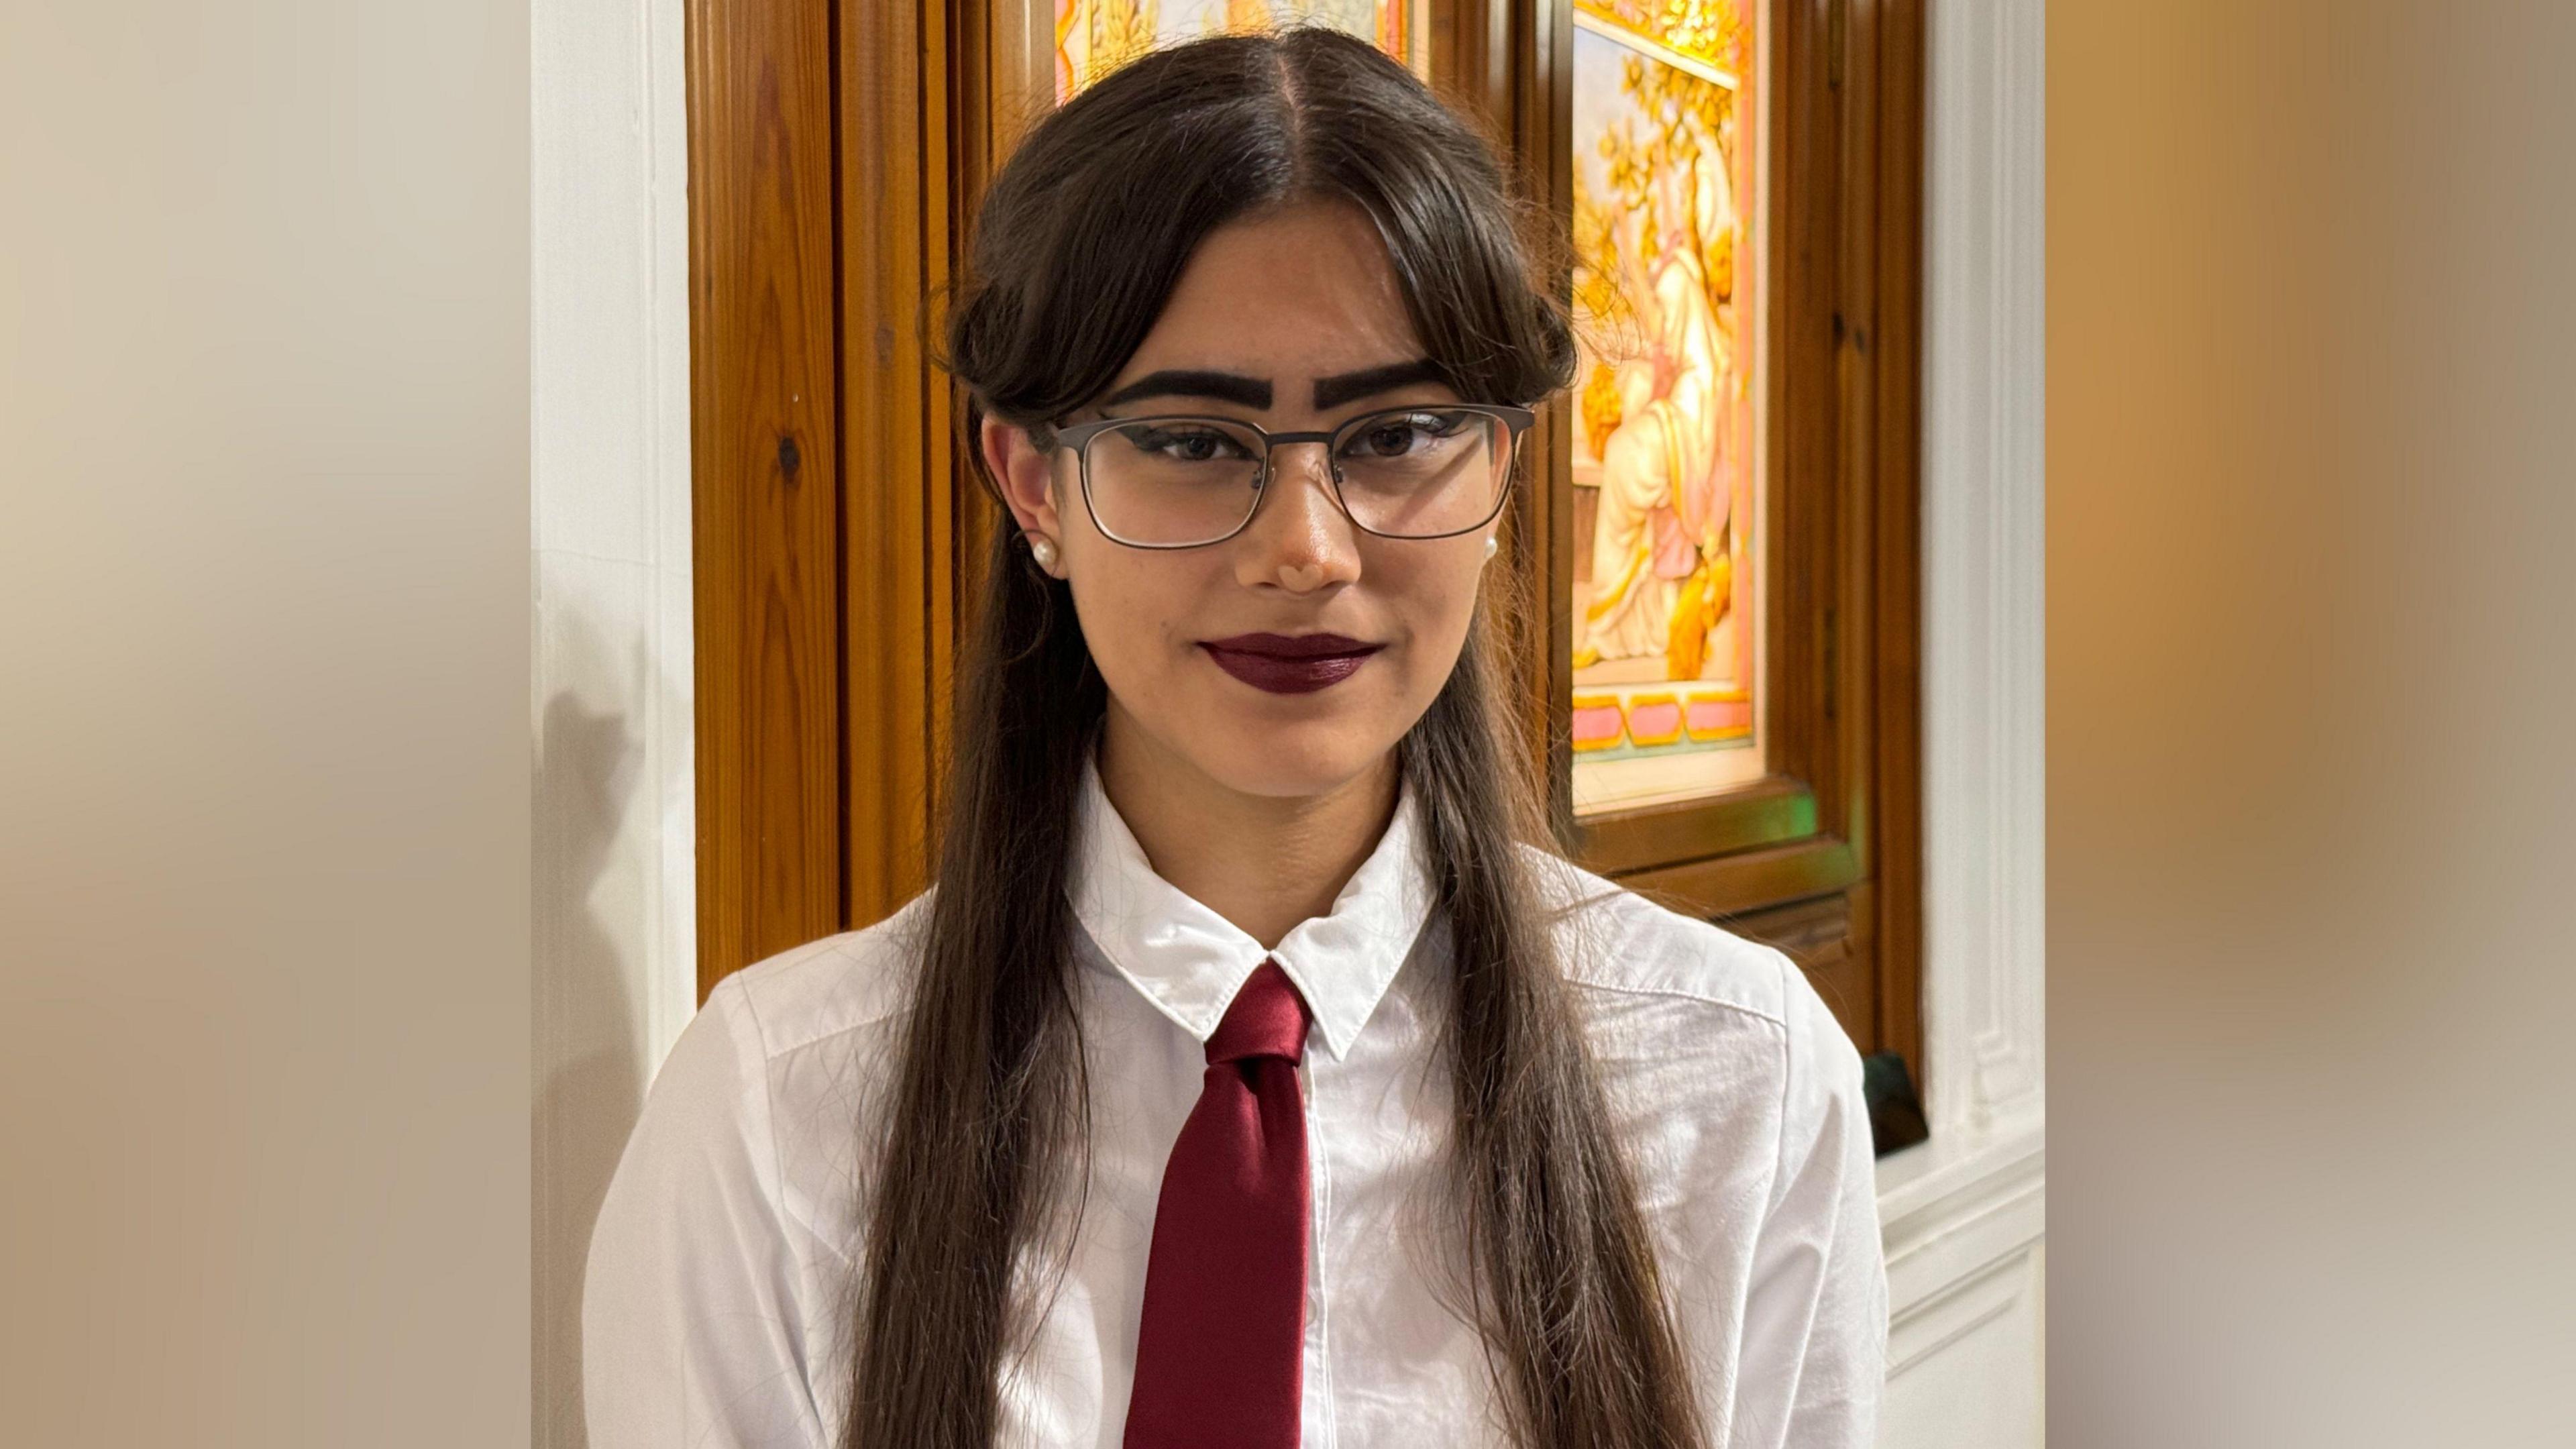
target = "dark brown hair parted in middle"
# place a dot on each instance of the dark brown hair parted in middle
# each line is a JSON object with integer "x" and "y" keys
{"x": 1078, "y": 245}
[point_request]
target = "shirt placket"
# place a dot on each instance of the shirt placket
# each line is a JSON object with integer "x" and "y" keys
{"x": 1319, "y": 1431}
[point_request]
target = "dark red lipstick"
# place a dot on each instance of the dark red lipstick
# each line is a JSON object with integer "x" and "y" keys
{"x": 1289, "y": 663}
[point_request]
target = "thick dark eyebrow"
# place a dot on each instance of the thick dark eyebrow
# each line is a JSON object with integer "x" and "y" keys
{"x": 1251, "y": 392}
{"x": 1332, "y": 392}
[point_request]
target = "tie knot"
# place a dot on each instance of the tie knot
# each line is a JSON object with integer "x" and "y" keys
{"x": 1267, "y": 1019}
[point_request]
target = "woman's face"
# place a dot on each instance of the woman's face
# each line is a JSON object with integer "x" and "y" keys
{"x": 1285, "y": 310}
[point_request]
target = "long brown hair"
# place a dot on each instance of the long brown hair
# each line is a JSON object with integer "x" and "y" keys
{"x": 1077, "y": 247}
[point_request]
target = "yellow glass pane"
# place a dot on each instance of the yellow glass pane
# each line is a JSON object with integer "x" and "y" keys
{"x": 1093, "y": 37}
{"x": 1667, "y": 481}
{"x": 1712, "y": 32}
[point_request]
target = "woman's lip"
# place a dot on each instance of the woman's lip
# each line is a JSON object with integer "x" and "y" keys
{"x": 1288, "y": 676}
{"x": 1293, "y": 646}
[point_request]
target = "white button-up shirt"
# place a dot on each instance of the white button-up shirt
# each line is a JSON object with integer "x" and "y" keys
{"x": 714, "y": 1314}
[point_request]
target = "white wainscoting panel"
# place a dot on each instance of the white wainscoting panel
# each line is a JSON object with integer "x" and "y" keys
{"x": 616, "y": 803}
{"x": 1965, "y": 1214}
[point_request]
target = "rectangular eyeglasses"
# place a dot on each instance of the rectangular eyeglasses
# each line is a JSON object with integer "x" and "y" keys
{"x": 1184, "y": 481}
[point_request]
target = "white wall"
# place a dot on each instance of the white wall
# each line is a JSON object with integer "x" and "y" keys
{"x": 616, "y": 822}
{"x": 615, "y": 828}
{"x": 1965, "y": 1213}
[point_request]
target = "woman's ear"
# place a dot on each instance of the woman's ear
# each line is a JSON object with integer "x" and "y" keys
{"x": 1025, "y": 475}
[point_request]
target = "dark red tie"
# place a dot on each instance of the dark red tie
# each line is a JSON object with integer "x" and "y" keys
{"x": 1221, "y": 1352}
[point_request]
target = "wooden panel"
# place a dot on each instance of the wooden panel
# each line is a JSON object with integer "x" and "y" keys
{"x": 935, "y": 92}
{"x": 1471, "y": 54}
{"x": 763, "y": 458}
{"x": 1001, "y": 61}
{"x": 1896, "y": 351}
{"x": 1771, "y": 811}
{"x": 1510, "y": 67}
{"x": 1750, "y": 880}
{"x": 1542, "y": 131}
{"x": 1802, "y": 634}
{"x": 896, "y": 492}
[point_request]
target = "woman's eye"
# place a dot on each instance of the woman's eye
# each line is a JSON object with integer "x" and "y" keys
{"x": 1188, "y": 445}
{"x": 1394, "y": 437}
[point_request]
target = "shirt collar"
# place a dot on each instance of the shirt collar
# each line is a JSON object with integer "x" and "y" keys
{"x": 1189, "y": 961}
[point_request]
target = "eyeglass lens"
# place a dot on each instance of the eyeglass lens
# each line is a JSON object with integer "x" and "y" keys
{"x": 1413, "y": 473}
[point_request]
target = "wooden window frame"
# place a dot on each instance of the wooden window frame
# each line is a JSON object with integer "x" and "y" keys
{"x": 837, "y": 149}
{"x": 1822, "y": 856}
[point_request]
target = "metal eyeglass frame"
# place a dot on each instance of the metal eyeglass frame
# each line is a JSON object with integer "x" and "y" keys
{"x": 1516, "y": 421}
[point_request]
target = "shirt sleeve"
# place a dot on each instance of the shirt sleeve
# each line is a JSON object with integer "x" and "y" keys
{"x": 692, "y": 1333}
{"x": 1815, "y": 1323}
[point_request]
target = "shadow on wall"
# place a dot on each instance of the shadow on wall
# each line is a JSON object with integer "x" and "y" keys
{"x": 593, "y": 918}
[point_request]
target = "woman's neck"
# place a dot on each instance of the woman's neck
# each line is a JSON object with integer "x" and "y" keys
{"x": 1263, "y": 862}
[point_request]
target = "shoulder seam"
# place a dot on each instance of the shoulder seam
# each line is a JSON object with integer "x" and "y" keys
{"x": 1628, "y": 989}
{"x": 1627, "y": 930}
{"x": 840, "y": 948}
{"x": 821, "y": 1038}
{"x": 775, "y": 1190}
{"x": 740, "y": 996}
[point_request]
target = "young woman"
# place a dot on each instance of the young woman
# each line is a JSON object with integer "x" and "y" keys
{"x": 1255, "y": 1073}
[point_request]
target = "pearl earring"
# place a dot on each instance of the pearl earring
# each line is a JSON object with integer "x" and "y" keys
{"x": 1042, "y": 548}
{"x": 1490, "y": 545}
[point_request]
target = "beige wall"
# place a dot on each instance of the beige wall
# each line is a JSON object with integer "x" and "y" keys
{"x": 264, "y": 761}
{"x": 615, "y": 796}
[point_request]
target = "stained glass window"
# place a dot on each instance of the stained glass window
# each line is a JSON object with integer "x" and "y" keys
{"x": 1667, "y": 477}
{"x": 1092, "y": 37}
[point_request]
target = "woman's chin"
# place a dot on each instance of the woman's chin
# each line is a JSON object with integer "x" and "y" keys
{"x": 1285, "y": 766}
{"x": 1256, "y": 743}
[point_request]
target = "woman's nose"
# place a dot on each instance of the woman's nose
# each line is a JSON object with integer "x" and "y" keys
{"x": 1299, "y": 538}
